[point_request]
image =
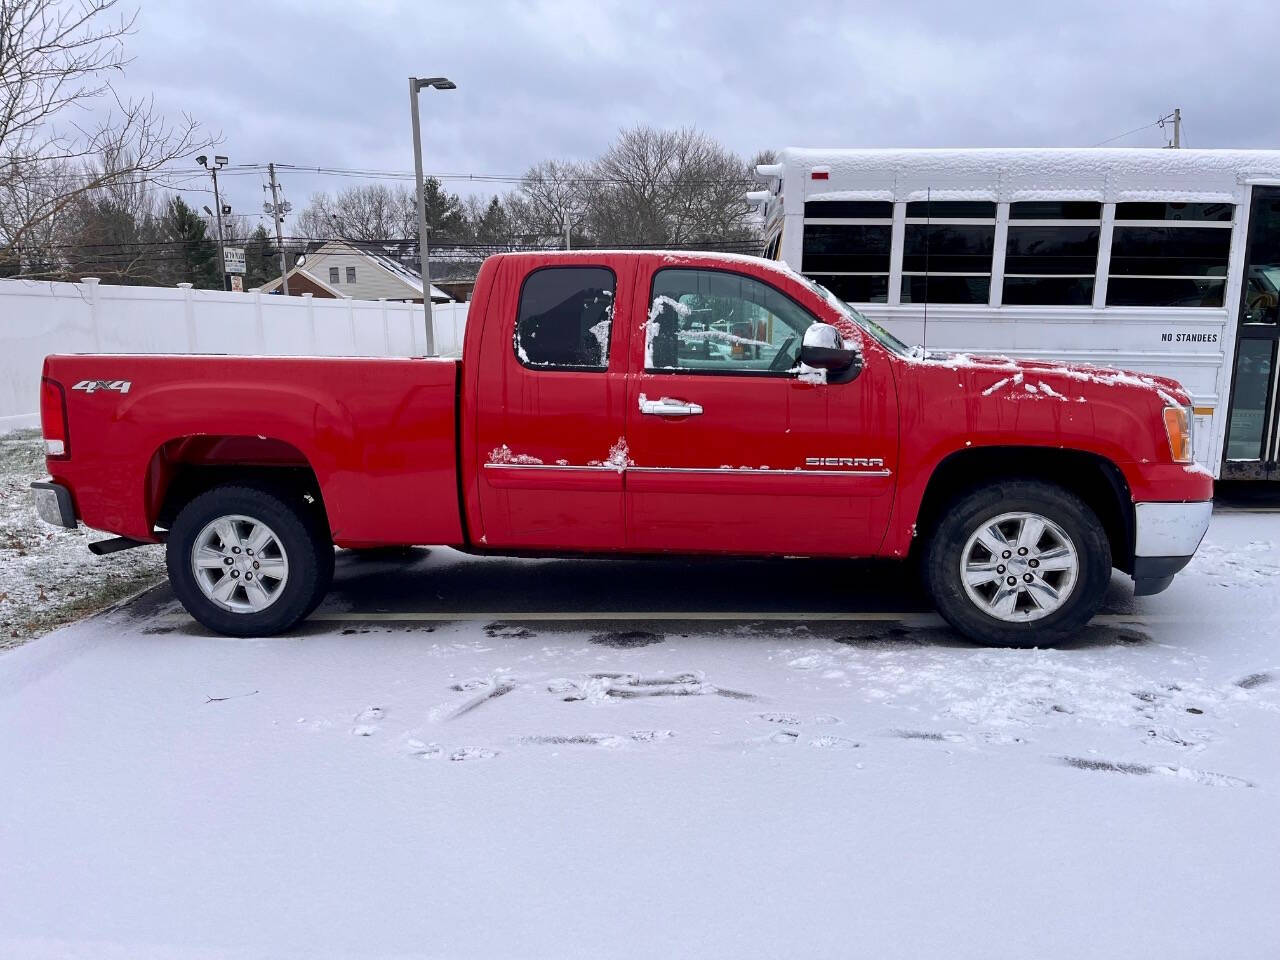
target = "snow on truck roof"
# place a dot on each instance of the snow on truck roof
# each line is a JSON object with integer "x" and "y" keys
{"x": 1002, "y": 173}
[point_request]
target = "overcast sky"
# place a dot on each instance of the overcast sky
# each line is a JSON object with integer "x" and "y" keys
{"x": 324, "y": 82}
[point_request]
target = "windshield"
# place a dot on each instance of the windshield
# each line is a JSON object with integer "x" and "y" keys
{"x": 883, "y": 336}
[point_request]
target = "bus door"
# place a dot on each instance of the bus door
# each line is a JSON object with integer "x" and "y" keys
{"x": 1252, "y": 450}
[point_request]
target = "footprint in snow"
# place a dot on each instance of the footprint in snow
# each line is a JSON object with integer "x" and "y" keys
{"x": 1254, "y": 680}
{"x": 1002, "y": 739}
{"x": 834, "y": 743}
{"x": 369, "y": 714}
{"x": 627, "y": 639}
{"x": 1169, "y": 737}
{"x": 826, "y": 719}
{"x": 788, "y": 719}
{"x": 364, "y": 729}
{"x": 576, "y": 739}
{"x": 473, "y": 753}
{"x": 931, "y": 735}
{"x": 505, "y": 631}
{"x": 1205, "y": 778}
{"x": 649, "y": 736}
{"x": 423, "y": 751}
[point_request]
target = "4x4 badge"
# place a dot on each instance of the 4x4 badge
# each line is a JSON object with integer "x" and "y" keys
{"x": 89, "y": 386}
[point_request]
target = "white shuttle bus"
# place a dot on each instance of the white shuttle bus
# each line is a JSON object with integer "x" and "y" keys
{"x": 1160, "y": 261}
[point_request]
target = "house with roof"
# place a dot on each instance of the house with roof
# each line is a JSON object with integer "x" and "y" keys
{"x": 360, "y": 270}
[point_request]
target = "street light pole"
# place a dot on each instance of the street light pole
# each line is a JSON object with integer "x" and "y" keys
{"x": 217, "y": 206}
{"x": 424, "y": 254}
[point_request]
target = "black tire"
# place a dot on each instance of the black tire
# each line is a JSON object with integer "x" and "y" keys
{"x": 318, "y": 521}
{"x": 302, "y": 540}
{"x": 942, "y": 562}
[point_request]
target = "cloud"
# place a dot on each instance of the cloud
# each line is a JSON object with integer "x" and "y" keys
{"x": 325, "y": 82}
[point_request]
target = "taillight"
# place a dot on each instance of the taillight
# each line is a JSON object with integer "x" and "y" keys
{"x": 53, "y": 419}
{"x": 1177, "y": 425}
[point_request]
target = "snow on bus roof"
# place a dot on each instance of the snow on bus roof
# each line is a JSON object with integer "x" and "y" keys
{"x": 1097, "y": 173}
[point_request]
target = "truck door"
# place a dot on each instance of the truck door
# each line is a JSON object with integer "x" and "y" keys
{"x": 733, "y": 452}
{"x": 549, "y": 410}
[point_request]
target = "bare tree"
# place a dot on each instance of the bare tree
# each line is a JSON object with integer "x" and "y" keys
{"x": 550, "y": 193}
{"x": 668, "y": 187}
{"x": 374, "y": 212}
{"x": 58, "y": 57}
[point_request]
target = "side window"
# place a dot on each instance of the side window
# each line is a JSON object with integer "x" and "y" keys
{"x": 846, "y": 247}
{"x": 1051, "y": 252}
{"x": 333, "y": 274}
{"x": 947, "y": 250}
{"x": 1170, "y": 254}
{"x": 710, "y": 321}
{"x": 565, "y": 318}
{"x": 351, "y": 274}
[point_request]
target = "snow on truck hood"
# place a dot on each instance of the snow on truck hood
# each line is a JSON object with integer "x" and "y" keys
{"x": 1053, "y": 378}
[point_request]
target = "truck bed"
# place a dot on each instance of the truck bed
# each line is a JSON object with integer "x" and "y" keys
{"x": 379, "y": 434}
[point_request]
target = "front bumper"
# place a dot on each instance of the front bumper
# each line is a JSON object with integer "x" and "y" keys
{"x": 1166, "y": 536}
{"x": 53, "y": 504}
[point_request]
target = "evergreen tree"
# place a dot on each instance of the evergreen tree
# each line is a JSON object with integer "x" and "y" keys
{"x": 494, "y": 226}
{"x": 109, "y": 240}
{"x": 261, "y": 258}
{"x": 191, "y": 256}
{"x": 445, "y": 216}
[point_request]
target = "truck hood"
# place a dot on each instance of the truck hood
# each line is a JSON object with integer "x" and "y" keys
{"x": 1062, "y": 377}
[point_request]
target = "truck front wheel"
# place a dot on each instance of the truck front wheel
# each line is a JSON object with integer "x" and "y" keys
{"x": 1020, "y": 563}
{"x": 245, "y": 562}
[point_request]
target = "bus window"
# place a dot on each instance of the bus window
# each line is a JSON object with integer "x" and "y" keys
{"x": 846, "y": 247}
{"x": 1169, "y": 255}
{"x": 1051, "y": 253}
{"x": 947, "y": 251}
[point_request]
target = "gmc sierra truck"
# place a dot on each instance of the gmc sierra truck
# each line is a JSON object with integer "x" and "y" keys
{"x": 636, "y": 403}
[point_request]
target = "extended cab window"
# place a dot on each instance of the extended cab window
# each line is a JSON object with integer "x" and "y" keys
{"x": 711, "y": 321}
{"x": 565, "y": 318}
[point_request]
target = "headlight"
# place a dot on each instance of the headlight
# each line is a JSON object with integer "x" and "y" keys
{"x": 1177, "y": 426}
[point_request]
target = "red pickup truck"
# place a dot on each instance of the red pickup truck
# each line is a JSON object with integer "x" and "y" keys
{"x": 636, "y": 403}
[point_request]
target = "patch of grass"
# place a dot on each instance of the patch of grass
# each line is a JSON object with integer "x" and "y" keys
{"x": 48, "y": 577}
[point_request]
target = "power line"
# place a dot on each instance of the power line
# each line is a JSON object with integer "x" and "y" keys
{"x": 1121, "y": 136}
{"x": 376, "y": 174}
{"x": 405, "y": 245}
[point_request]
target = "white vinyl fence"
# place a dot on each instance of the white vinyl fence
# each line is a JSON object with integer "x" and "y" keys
{"x": 38, "y": 318}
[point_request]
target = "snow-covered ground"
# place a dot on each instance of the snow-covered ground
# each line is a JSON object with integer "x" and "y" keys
{"x": 661, "y": 788}
{"x": 48, "y": 577}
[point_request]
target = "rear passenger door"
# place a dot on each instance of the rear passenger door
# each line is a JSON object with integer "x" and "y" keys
{"x": 550, "y": 411}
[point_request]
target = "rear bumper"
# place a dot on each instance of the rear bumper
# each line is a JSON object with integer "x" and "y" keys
{"x": 1166, "y": 536}
{"x": 53, "y": 504}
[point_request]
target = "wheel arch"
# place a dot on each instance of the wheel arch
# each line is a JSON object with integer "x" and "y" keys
{"x": 1097, "y": 481}
{"x": 184, "y": 467}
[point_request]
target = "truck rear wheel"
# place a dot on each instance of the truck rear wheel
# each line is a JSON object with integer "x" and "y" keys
{"x": 1020, "y": 563}
{"x": 246, "y": 562}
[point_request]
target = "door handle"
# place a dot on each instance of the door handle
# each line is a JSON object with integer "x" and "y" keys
{"x": 666, "y": 407}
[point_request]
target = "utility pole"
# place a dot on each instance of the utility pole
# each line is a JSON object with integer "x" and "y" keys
{"x": 567, "y": 244}
{"x": 277, "y": 211}
{"x": 424, "y": 255}
{"x": 1176, "y": 117}
{"x": 217, "y": 206}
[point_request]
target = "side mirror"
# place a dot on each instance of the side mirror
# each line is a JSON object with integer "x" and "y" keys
{"x": 823, "y": 349}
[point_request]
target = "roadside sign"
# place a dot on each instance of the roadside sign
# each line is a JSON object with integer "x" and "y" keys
{"x": 237, "y": 283}
{"x": 234, "y": 257}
